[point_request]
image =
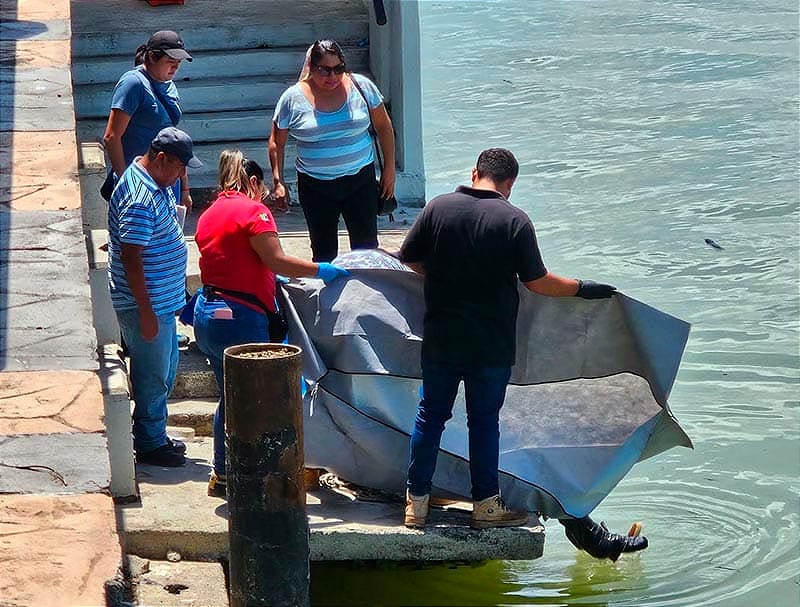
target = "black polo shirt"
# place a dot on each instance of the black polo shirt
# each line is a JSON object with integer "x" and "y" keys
{"x": 475, "y": 246}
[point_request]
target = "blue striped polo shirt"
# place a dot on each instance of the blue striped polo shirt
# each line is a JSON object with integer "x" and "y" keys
{"x": 329, "y": 144}
{"x": 142, "y": 213}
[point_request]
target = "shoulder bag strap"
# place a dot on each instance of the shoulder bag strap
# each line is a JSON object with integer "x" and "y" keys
{"x": 168, "y": 107}
{"x": 372, "y": 133}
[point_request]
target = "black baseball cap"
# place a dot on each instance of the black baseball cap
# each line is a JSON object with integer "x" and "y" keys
{"x": 177, "y": 143}
{"x": 170, "y": 43}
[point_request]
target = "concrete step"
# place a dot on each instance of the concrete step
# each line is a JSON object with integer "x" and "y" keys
{"x": 204, "y": 95}
{"x": 209, "y": 152}
{"x": 158, "y": 582}
{"x": 284, "y": 62}
{"x": 182, "y": 433}
{"x": 195, "y": 413}
{"x": 294, "y": 236}
{"x": 194, "y": 379}
{"x": 175, "y": 514}
{"x": 248, "y": 132}
{"x": 208, "y": 127}
{"x": 265, "y": 30}
{"x": 204, "y": 127}
{"x": 214, "y": 132}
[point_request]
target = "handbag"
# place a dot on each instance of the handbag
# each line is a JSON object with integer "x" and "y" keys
{"x": 108, "y": 186}
{"x": 386, "y": 206}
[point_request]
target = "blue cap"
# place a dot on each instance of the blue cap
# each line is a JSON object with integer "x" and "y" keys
{"x": 177, "y": 143}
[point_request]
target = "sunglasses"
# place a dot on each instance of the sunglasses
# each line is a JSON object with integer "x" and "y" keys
{"x": 324, "y": 70}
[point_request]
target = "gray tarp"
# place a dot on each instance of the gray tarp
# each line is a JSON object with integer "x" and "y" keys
{"x": 587, "y": 398}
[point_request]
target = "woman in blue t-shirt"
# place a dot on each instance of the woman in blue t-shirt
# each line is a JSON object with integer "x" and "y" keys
{"x": 146, "y": 100}
{"x": 328, "y": 113}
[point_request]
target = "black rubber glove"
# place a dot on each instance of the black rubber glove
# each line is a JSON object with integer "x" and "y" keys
{"x": 589, "y": 289}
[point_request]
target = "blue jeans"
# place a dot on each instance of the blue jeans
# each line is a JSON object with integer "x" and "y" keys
{"x": 213, "y": 335}
{"x": 153, "y": 365}
{"x": 484, "y": 391}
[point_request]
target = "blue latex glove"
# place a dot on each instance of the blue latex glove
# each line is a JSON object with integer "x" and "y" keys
{"x": 328, "y": 272}
{"x": 281, "y": 279}
{"x": 589, "y": 289}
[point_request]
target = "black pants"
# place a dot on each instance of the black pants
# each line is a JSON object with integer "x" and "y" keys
{"x": 354, "y": 197}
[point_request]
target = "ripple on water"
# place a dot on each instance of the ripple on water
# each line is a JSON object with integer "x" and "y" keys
{"x": 642, "y": 129}
{"x": 709, "y": 544}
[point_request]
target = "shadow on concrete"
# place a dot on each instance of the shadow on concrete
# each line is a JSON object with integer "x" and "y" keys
{"x": 196, "y": 469}
{"x": 5, "y": 225}
{"x": 14, "y": 29}
{"x": 11, "y": 31}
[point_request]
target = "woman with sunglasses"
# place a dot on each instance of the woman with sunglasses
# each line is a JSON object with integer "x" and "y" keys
{"x": 240, "y": 254}
{"x": 330, "y": 120}
{"x": 145, "y": 100}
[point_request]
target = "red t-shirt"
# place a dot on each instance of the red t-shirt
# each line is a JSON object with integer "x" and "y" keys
{"x": 226, "y": 258}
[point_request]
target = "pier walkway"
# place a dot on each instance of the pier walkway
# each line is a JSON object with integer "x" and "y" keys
{"x": 58, "y": 535}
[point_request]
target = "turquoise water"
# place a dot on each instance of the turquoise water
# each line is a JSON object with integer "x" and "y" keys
{"x": 643, "y": 128}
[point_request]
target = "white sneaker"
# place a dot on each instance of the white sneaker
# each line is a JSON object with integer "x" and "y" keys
{"x": 416, "y": 510}
{"x": 493, "y": 512}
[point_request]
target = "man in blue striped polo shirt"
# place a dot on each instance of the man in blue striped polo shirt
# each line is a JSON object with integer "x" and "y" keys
{"x": 147, "y": 280}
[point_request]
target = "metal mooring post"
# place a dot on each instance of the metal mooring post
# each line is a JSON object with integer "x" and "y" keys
{"x": 267, "y": 524}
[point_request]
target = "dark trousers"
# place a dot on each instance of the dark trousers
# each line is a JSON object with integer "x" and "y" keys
{"x": 354, "y": 197}
{"x": 484, "y": 392}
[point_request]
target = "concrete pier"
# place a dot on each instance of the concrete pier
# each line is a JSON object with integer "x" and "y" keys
{"x": 175, "y": 514}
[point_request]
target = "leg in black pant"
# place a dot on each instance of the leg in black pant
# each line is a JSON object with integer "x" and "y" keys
{"x": 354, "y": 196}
{"x": 322, "y": 217}
{"x": 359, "y": 210}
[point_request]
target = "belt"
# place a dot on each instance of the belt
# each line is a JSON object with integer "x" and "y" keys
{"x": 277, "y": 321}
{"x": 212, "y": 292}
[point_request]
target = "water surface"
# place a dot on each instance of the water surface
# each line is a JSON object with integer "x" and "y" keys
{"x": 643, "y": 128}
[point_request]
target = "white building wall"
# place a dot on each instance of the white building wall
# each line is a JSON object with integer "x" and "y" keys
{"x": 395, "y": 64}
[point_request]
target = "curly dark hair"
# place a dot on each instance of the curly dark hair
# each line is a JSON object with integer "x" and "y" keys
{"x": 498, "y": 164}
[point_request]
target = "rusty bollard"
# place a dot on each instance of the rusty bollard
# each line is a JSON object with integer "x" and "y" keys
{"x": 267, "y": 524}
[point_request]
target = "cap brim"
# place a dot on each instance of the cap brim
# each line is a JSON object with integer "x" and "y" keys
{"x": 194, "y": 163}
{"x": 177, "y": 53}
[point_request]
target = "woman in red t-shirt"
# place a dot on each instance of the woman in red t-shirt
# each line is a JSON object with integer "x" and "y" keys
{"x": 240, "y": 254}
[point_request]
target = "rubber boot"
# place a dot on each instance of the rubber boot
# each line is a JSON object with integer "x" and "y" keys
{"x": 598, "y": 541}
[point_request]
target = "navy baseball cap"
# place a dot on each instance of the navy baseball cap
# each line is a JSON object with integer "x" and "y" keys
{"x": 170, "y": 43}
{"x": 177, "y": 143}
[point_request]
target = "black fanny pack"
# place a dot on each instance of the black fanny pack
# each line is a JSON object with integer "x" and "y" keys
{"x": 278, "y": 327}
{"x": 108, "y": 186}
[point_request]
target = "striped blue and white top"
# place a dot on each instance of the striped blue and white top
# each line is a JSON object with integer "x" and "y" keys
{"x": 329, "y": 144}
{"x": 142, "y": 213}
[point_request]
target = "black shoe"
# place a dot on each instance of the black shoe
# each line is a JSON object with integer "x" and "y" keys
{"x": 165, "y": 455}
{"x": 598, "y": 541}
{"x": 178, "y": 445}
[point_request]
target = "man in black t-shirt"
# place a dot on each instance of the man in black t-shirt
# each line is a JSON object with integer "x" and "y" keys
{"x": 473, "y": 246}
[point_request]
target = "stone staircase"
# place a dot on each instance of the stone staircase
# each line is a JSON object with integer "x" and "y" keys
{"x": 228, "y": 93}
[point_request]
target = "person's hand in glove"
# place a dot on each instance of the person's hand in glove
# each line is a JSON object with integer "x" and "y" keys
{"x": 328, "y": 272}
{"x": 589, "y": 289}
